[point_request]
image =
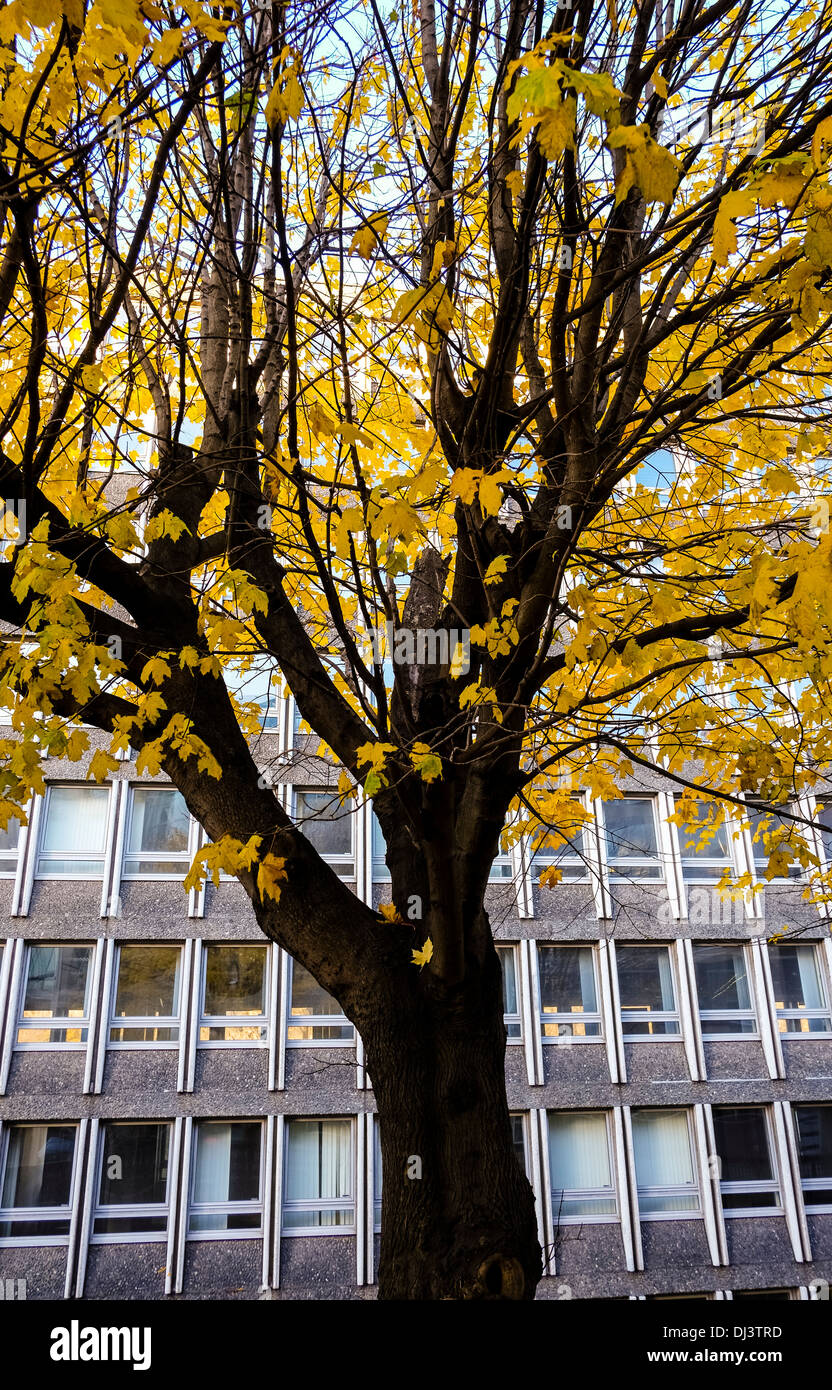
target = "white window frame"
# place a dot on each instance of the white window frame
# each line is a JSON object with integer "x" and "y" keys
{"x": 43, "y": 875}
{"x": 587, "y": 1194}
{"x": 9, "y": 853}
{"x": 344, "y": 865}
{"x": 127, "y": 1211}
{"x": 64, "y": 1213}
{"x": 313, "y": 1020}
{"x": 181, "y": 857}
{"x": 718, "y": 1015}
{"x": 561, "y": 1020}
{"x": 514, "y": 1020}
{"x": 787, "y": 1015}
{"x": 711, "y": 861}
{"x": 758, "y": 867}
{"x": 811, "y": 1185}
{"x": 693, "y": 1189}
{"x": 556, "y": 856}
{"x": 319, "y": 1203}
{"x": 251, "y": 1206}
{"x": 656, "y": 1015}
{"x": 728, "y": 1187}
{"x": 262, "y": 1021}
{"x": 146, "y": 1020}
{"x": 617, "y": 872}
{"x": 62, "y": 1022}
{"x": 523, "y": 1117}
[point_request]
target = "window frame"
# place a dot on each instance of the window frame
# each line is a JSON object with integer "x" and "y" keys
{"x": 344, "y": 865}
{"x": 58, "y": 1022}
{"x": 734, "y": 1186}
{"x": 145, "y": 1021}
{"x": 653, "y": 1190}
{"x": 645, "y": 1015}
{"x": 12, "y": 853}
{"x": 613, "y": 873}
{"x": 810, "y": 1185}
{"x": 706, "y": 862}
{"x": 263, "y": 1021}
{"x": 718, "y": 1015}
{"x": 319, "y": 1203}
{"x": 759, "y": 866}
{"x": 313, "y": 1020}
{"x": 587, "y": 1194}
{"x": 558, "y": 856}
{"x": 250, "y": 1205}
{"x": 127, "y": 1211}
{"x": 510, "y": 949}
{"x": 44, "y": 876}
{"x": 786, "y": 1015}
{"x": 62, "y": 1213}
{"x": 561, "y": 1020}
{"x": 181, "y": 857}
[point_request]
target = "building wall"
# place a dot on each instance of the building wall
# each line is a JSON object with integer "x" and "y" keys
{"x": 629, "y": 1253}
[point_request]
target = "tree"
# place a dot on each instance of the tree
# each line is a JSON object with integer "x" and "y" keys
{"x": 505, "y": 327}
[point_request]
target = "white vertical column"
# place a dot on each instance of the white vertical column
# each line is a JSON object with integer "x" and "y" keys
{"x": 545, "y": 1218}
{"x": 766, "y": 1013}
{"x": 787, "y": 1184}
{"x": 95, "y": 1014}
{"x": 114, "y": 855}
{"x": 617, "y": 1030}
{"x": 77, "y": 1205}
{"x": 632, "y": 1183}
{"x": 521, "y": 873}
{"x": 714, "y": 1178}
{"x": 596, "y": 853}
{"x": 88, "y": 1202}
{"x": 174, "y": 1162}
{"x": 706, "y": 1185}
{"x": 687, "y": 945}
{"x": 276, "y": 1024}
{"x": 23, "y": 898}
{"x": 364, "y": 852}
{"x": 18, "y": 949}
{"x": 5, "y": 976}
{"x": 104, "y": 1021}
{"x": 184, "y": 1013}
{"x": 532, "y": 1013}
{"x": 193, "y": 1030}
{"x": 794, "y": 1162}
{"x": 360, "y": 1188}
{"x": 25, "y": 849}
{"x": 607, "y": 1009}
{"x": 671, "y": 859}
{"x": 369, "y": 1120}
{"x": 686, "y": 1011}
{"x": 622, "y": 1183}
{"x": 280, "y": 1163}
{"x": 282, "y": 1019}
{"x": 196, "y": 896}
{"x": 181, "y": 1217}
{"x": 268, "y": 1204}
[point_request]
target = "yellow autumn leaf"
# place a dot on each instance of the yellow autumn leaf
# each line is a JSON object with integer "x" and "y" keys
{"x": 423, "y": 956}
{"x": 390, "y": 913}
{"x": 270, "y": 874}
{"x": 367, "y": 239}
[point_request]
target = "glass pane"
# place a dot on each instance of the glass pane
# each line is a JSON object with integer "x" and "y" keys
{"x": 38, "y": 1167}
{"x": 129, "y": 1225}
{"x": 564, "y": 841}
{"x": 578, "y": 1151}
{"x": 507, "y": 964}
{"x": 9, "y": 836}
{"x": 765, "y": 823}
{"x": 732, "y": 1024}
{"x": 794, "y": 974}
{"x": 134, "y": 1167}
{"x": 701, "y": 838}
{"x": 824, "y": 823}
{"x": 56, "y": 982}
{"x": 235, "y": 981}
{"x": 721, "y": 978}
{"x": 308, "y": 997}
{"x": 159, "y": 820}
{"x": 742, "y": 1146}
{"x": 227, "y": 1163}
{"x": 661, "y": 1142}
{"x": 814, "y": 1140}
{"x": 567, "y": 980}
{"x": 325, "y": 821}
{"x": 76, "y": 819}
{"x": 148, "y": 982}
{"x": 630, "y": 829}
{"x": 319, "y": 1161}
{"x": 518, "y": 1139}
{"x": 645, "y": 979}
{"x": 655, "y": 1205}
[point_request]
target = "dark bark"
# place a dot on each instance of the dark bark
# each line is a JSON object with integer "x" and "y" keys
{"x": 458, "y": 1218}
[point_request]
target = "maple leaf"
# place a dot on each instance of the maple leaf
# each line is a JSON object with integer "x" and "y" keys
{"x": 271, "y": 873}
{"x": 424, "y": 955}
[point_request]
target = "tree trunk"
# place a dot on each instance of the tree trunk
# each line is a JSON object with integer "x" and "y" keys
{"x": 458, "y": 1217}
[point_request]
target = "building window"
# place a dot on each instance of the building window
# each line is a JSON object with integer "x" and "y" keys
{"x": 767, "y": 1295}
{"x": 315, "y": 1017}
{"x": 632, "y": 838}
{"x": 329, "y": 824}
{"x": 146, "y": 1008}
{"x": 234, "y": 995}
{"x": 56, "y": 999}
{"x": 814, "y": 1146}
{"x": 158, "y": 834}
{"x": 319, "y": 1192}
{"x": 647, "y": 992}
{"x": 8, "y": 848}
{"x": 376, "y": 1174}
{"x": 824, "y": 811}
{"x": 380, "y": 869}
{"x": 799, "y": 993}
{"x": 37, "y": 1167}
{"x": 74, "y": 833}
{"x": 704, "y": 845}
{"x": 725, "y": 1006}
{"x": 746, "y": 1168}
{"x": 562, "y": 847}
{"x": 511, "y": 1003}
{"x": 258, "y": 690}
{"x": 133, "y": 1184}
{"x": 580, "y": 1167}
{"x": 765, "y": 823}
{"x": 518, "y": 1140}
{"x": 227, "y": 1189}
{"x": 568, "y": 992}
{"x": 665, "y": 1175}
